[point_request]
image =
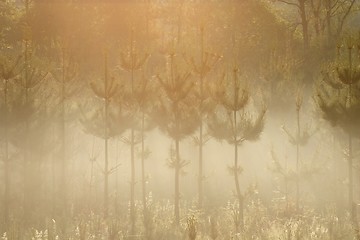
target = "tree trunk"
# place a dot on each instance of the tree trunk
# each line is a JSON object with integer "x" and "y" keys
{"x": 352, "y": 205}
{"x": 26, "y": 163}
{"x": 116, "y": 200}
{"x": 91, "y": 186}
{"x": 177, "y": 184}
{"x": 53, "y": 187}
{"x": 200, "y": 176}
{"x": 106, "y": 133}
{"x": 63, "y": 183}
{"x": 132, "y": 181}
{"x": 143, "y": 177}
{"x": 106, "y": 181}
{"x": 350, "y": 172}
{"x": 328, "y": 21}
{"x": 201, "y": 143}
{"x": 240, "y": 198}
{"x": 6, "y": 184}
{"x": 297, "y": 159}
{"x": 304, "y": 24}
{"x": 6, "y": 163}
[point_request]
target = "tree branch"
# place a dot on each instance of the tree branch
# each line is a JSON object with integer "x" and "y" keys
{"x": 289, "y": 3}
{"x": 344, "y": 17}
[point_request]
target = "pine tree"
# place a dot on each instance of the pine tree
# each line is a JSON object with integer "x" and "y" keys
{"x": 299, "y": 139}
{"x": 106, "y": 123}
{"x": 338, "y": 99}
{"x": 132, "y": 61}
{"x": 177, "y": 117}
{"x": 143, "y": 97}
{"x": 139, "y": 102}
{"x": 202, "y": 67}
{"x": 286, "y": 174}
{"x": 33, "y": 73}
{"x": 10, "y": 68}
{"x": 232, "y": 123}
{"x": 65, "y": 73}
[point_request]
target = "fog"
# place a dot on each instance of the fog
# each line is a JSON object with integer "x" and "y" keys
{"x": 179, "y": 119}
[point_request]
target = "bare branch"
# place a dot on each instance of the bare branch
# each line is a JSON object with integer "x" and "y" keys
{"x": 345, "y": 16}
{"x": 289, "y": 3}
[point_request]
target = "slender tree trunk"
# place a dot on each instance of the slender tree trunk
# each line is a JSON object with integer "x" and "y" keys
{"x": 132, "y": 181}
{"x": 177, "y": 165}
{"x": 287, "y": 194}
{"x": 54, "y": 187}
{"x": 350, "y": 172}
{"x": 297, "y": 159}
{"x": 328, "y": 21}
{"x": 106, "y": 180}
{"x": 350, "y": 158}
{"x": 200, "y": 174}
{"x": 342, "y": 20}
{"x": 63, "y": 182}
{"x": 286, "y": 187}
{"x": 177, "y": 183}
{"x": 116, "y": 205}
{"x": 336, "y": 176}
{"x": 6, "y": 185}
{"x": 240, "y": 198}
{"x": 352, "y": 205}
{"x": 6, "y": 162}
{"x": 26, "y": 171}
{"x": 27, "y": 199}
{"x": 106, "y": 167}
{"x": 304, "y": 24}
{"x": 201, "y": 142}
{"x": 316, "y": 17}
{"x": 179, "y": 19}
{"x": 143, "y": 177}
{"x": 91, "y": 186}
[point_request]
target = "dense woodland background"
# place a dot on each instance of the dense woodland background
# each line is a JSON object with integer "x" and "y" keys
{"x": 179, "y": 119}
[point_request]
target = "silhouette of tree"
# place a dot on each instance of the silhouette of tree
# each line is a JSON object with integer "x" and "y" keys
{"x": 232, "y": 123}
{"x": 131, "y": 61}
{"x": 177, "y": 117}
{"x": 338, "y": 99}
{"x": 10, "y": 68}
{"x": 202, "y": 67}
{"x": 106, "y": 122}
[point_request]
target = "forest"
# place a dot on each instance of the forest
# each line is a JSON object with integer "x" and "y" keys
{"x": 179, "y": 119}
